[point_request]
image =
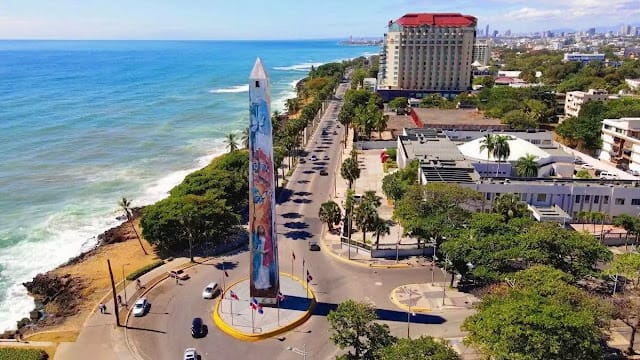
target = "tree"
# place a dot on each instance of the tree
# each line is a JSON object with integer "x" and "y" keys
{"x": 350, "y": 170}
{"x": 399, "y": 104}
{"x": 380, "y": 227}
{"x": 527, "y": 166}
{"x": 330, "y": 214}
{"x": 583, "y": 174}
{"x": 245, "y": 138}
{"x": 630, "y": 223}
{"x": 392, "y": 187}
{"x": 231, "y": 142}
{"x": 488, "y": 143}
{"x": 502, "y": 150}
{"x": 422, "y": 348}
{"x": 510, "y": 206}
{"x": 540, "y": 317}
{"x": 627, "y": 307}
{"x": 366, "y": 214}
{"x": 380, "y": 123}
{"x": 352, "y": 326}
{"x": 125, "y": 205}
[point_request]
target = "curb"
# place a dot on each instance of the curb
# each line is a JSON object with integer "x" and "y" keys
{"x": 396, "y": 302}
{"x": 256, "y": 337}
{"x": 391, "y": 266}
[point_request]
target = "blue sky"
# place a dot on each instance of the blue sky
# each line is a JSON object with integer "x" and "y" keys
{"x": 285, "y": 19}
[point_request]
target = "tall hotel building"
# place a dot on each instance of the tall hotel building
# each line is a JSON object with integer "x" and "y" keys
{"x": 427, "y": 53}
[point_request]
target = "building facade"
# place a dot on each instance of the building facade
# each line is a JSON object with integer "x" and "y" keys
{"x": 482, "y": 51}
{"x": 428, "y": 53}
{"x": 621, "y": 142}
{"x": 585, "y": 58}
{"x": 575, "y": 99}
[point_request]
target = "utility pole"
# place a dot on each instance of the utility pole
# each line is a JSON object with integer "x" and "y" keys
{"x": 113, "y": 288}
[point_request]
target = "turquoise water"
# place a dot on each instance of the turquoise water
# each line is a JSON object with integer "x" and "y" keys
{"x": 83, "y": 123}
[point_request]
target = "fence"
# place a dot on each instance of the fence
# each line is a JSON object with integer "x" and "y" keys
{"x": 367, "y": 145}
{"x": 390, "y": 250}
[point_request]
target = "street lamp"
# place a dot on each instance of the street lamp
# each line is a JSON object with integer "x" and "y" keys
{"x": 434, "y": 258}
{"x": 409, "y": 313}
{"x": 444, "y": 283}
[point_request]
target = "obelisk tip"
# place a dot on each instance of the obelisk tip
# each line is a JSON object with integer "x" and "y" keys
{"x": 258, "y": 71}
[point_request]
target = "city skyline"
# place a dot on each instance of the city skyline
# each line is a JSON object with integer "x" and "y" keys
{"x": 287, "y": 19}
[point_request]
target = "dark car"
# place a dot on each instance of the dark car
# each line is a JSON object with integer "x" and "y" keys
{"x": 313, "y": 246}
{"x": 198, "y": 329}
{"x": 324, "y": 172}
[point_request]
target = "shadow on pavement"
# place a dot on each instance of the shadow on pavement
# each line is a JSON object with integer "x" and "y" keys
{"x": 283, "y": 195}
{"x": 226, "y": 265}
{"x": 302, "y": 201}
{"x": 291, "y": 215}
{"x": 298, "y": 235}
{"x": 296, "y": 225}
{"x": 303, "y": 181}
{"x": 302, "y": 193}
{"x": 295, "y": 303}
{"x": 143, "y": 329}
{"x": 323, "y": 309}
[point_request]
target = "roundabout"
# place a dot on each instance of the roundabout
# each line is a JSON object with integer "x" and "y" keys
{"x": 237, "y": 315}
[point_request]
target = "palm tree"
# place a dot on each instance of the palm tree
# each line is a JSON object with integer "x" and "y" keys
{"x": 125, "y": 205}
{"x": 330, "y": 214}
{"x": 527, "y": 166}
{"x": 245, "y": 138}
{"x": 381, "y": 227}
{"x": 510, "y": 206}
{"x": 232, "y": 142}
{"x": 365, "y": 215}
{"x": 501, "y": 151}
{"x": 350, "y": 170}
{"x": 488, "y": 143}
{"x": 380, "y": 124}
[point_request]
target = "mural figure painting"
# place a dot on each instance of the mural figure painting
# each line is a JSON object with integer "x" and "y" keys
{"x": 264, "y": 282}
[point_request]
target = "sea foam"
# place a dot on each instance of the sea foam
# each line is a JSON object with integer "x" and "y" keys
{"x": 232, "y": 89}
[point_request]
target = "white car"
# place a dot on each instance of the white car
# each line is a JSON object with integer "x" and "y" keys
{"x": 314, "y": 158}
{"x": 586, "y": 166}
{"x": 210, "y": 291}
{"x": 605, "y": 175}
{"x": 190, "y": 354}
{"x": 140, "y": 307}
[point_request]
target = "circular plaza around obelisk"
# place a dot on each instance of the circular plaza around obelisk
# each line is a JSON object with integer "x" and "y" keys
{"x": 236, "y": 317}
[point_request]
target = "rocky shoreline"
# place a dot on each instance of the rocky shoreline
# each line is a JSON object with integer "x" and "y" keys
{"x": 58, "y": 296}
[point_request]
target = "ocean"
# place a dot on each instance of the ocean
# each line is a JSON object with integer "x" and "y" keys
{"x": 84, "y": 123}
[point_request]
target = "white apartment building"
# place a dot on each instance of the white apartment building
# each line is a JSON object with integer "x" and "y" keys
{"x": 621, "y": 142}
{"x": 482, "y": 51}
{"x": 585, "y": 58}
{"x": 431, "y": 52}
{"x": 634, "y": 84}
{"x": 575, "y": 99}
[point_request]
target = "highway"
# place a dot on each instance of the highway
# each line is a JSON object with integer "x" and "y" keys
{"x": 164, "y": 332}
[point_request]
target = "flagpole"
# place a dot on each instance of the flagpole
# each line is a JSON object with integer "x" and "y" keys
{"x": 293, "y": 257}
{"x": 231, "y": 305}
{"x": 303, "y": 268}
{"x": 224, "y": 275}
{"x": 278, "y": 305}
{"x": 253, "y": 328}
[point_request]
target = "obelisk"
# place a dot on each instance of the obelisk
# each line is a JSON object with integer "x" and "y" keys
{"x": 264, "y": 272}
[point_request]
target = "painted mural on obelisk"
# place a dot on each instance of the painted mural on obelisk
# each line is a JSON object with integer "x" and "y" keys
{"x": 264, "y": 278}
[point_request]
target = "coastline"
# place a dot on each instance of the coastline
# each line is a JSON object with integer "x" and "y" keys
{"x": 117, "y": 237}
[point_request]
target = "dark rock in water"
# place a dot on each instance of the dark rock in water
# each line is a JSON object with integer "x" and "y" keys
{"x": 61, "y": 295}
{"x": 35, "y": 315}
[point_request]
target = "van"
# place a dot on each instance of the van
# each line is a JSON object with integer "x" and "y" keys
{"x": 605, "y": 175}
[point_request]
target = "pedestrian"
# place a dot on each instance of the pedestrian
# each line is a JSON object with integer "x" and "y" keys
{"x": 119, "y": 300}
{"x": 177, "y": 281}
{"x": 104, "y": 306}
{"x": 139, "y": 284}
{"x": 101, "y": 307}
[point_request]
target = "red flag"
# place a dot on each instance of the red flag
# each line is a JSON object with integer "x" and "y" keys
{"x": 233, "y": 295}
{"x": 253, "y": 306}
{"x": 281, "y": 297}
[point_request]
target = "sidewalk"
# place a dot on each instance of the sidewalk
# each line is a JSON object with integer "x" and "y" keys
{"x": 99, "y": 335}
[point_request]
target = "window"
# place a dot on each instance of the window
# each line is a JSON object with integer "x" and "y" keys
{"x": 577, "y": 200}
{"x": 587, "y": 198}
{"x": 596, "y": 199}
{"x": 635, "y": 201}
{"x": 541, "y": 197}
{"x": 619, "y": 201}
{"x": 257, "y": 83}
{"x": 605, "y": 200}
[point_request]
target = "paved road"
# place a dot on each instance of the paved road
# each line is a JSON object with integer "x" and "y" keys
{"x": 165, "y": 332}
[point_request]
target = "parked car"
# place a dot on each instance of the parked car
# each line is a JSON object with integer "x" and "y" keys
{"x": 197, "y": 328}
{"x": 634, "y": 172}
{"x": 314, "y": 158}
{"x": 190, "y": 354}
{"x": 313, "y": 246}
{"x": 140, "y": 307}
{"x": 605, "y": 175}
{"x": 325, "y": 158}
{"x": 335, "y": 132}
{"x": 210, "y": 290}
{"x": 587, "y": 166}
{"x": 180, "y": 274}
{"x": 302, "y": 161}
{"x": 324, "y": 172}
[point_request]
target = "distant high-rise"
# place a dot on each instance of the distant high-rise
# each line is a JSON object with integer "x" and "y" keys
{"x": 486, "y": 31}
{"x": 495, "y": 33}
{"x": 591, "y": 31}
{"x": 507, "y": 33}
{"x": 428, "y": 52}
{"x": 482, "y": 51}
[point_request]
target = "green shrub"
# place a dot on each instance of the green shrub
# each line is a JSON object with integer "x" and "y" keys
{"x": 392, "y": 153}
{"x": 9, "y": 353}
{"x": 143, "y": 270}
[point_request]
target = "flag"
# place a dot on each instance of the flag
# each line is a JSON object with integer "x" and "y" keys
{"x": 226, "y": 274}
{"x": 260, "y": 310}
{"x": 281, "y": 297}
{"x": 253, "y": 306}
{"x": 254, "y": 301}
{"x": 233, "y": 295}
{"x": 309, "y": 277}
{"x": 293, "y": 255}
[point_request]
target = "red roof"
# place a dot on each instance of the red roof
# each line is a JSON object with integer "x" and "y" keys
{"x": 441, "y": 19}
